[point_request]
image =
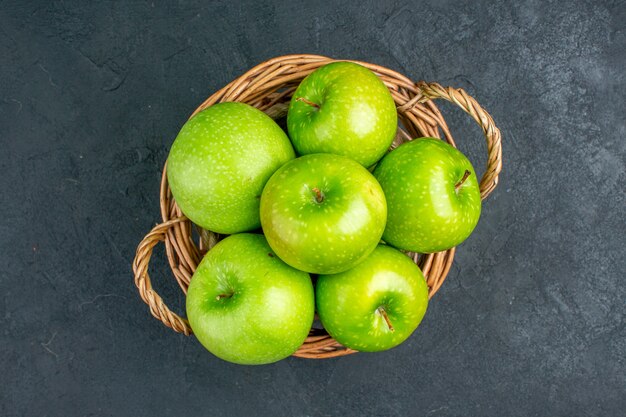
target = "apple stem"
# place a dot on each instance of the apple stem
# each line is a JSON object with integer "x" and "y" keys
{"x": 383, "y": 313}
{"x": 309, "y": 102}
{"x": 458, "y": 184}
{"x": 319, "y": 197}
{"x": 219, "y": 297}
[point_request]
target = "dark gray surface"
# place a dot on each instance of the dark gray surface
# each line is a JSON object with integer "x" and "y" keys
{"x": 531, "y": 321}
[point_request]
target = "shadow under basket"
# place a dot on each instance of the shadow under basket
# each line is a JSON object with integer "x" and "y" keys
{"x": 269, "y": 87}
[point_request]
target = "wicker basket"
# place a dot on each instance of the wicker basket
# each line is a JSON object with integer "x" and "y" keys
{"x": 269, "y": 86}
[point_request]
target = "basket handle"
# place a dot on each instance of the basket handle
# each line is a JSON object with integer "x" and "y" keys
{"x": 142, "y": 280}
{"x": 459, "y": 97}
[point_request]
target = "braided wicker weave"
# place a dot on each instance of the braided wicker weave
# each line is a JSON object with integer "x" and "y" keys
{"x": 269, "y": 86}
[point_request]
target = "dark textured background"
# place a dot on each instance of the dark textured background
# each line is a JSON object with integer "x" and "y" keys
{"x": 531, "y": 321}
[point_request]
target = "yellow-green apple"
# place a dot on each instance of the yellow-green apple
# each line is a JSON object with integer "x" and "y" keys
{"x": 247, "y": 306}
{"x": 377, "y": 304}
{"x": 432, "y": 196}
{"x": 219, "y": 163}
{"x": 323, "y": 213}
{"x": 343, "y": 108}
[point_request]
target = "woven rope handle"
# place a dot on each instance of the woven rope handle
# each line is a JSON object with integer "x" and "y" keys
{"x": 459, "y": 97}
{"x": 142, "y": 279}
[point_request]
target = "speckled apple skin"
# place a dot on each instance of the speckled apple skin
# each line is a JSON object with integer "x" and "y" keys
{"x": 327, "y": 237}
{"x": 348, "y": 303}
{"x": 271, "y": 308}
{"x": 425, "y": 213}
{"x": 219, "y": 163}
{"x": 356, "y": 117}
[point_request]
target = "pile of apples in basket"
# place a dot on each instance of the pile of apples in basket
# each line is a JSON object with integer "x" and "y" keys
{"x": 318, "y": 219}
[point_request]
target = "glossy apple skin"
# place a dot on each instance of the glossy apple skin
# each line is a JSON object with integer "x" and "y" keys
{"x": 270, "y": 309}
{"x": 356, "y": 117}
{"x": 219, "y": 163}
{"x": 426, "y": 213}
{"x": 327, "y": 237}
{"x": 348, "y": 303}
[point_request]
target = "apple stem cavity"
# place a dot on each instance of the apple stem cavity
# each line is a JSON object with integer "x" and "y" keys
{"x": 458, "y": 184}
{"x": 319, "y": 196}
{"x": 383, "y": 313}
{"x": 309, "y": 102}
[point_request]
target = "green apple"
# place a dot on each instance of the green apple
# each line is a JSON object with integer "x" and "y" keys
{"x": 343, "y": 108}
{"x": 323, "y": 213}
{"x": 377, "y": 304}
{"x": 219, "y": 163}
{"x": 432, "y": 196}
{"x": 247, "y": 306}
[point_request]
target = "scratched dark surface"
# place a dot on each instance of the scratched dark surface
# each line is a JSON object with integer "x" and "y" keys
{"x": 531, "y": 321}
